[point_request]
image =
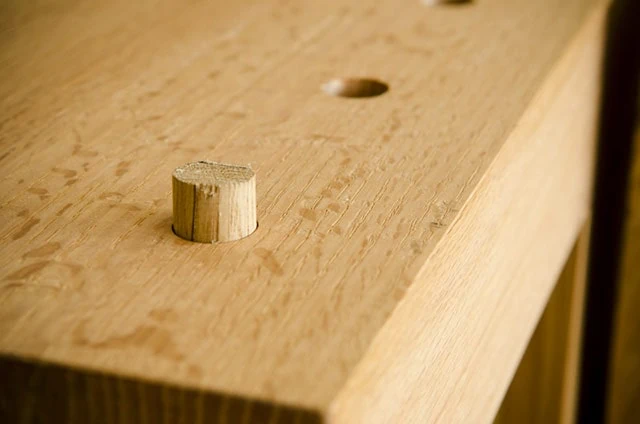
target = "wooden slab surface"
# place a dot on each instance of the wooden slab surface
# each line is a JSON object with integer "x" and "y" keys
{"x": 100, "y": 101}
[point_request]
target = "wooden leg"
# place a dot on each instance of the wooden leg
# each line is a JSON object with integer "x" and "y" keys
{"x": 625, "y": 368}
{"x": 619, "y": 110}
{"x": 545, "y": 386}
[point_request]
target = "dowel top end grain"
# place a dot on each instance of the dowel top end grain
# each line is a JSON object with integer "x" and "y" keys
{"x": 214, "y": 202}
{"x": 212, "y": 173}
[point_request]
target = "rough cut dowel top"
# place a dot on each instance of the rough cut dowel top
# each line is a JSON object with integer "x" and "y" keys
{"x": 214, "y": 201}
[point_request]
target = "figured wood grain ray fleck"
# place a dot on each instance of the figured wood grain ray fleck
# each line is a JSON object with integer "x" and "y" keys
{"x": 451, "y": 346}
{"x": 354, "y": 194}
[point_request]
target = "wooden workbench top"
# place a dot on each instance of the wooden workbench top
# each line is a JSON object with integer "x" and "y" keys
{"x": 399, "y": 234}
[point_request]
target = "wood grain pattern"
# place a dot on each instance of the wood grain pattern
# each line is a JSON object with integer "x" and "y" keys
{"x": 545, "y": 385}
{"x": 573, "y": 343}
{"x": 80, "y": 396}
{"x": 467, "y": 318}
{"x": 625, "y": 388}
{"x": 357, "y": 198}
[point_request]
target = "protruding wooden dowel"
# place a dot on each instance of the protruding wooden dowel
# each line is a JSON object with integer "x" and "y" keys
{"x": 214, "y": 202}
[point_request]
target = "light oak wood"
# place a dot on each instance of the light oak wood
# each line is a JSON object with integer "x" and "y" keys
{"x": 407, "y": 241}
{"x": 214, "y": 202}
{"x": 47, "y": 393}
{"x": 623, "y": 404}
{"x": 573, "y": 343}
{"x": 452, "y": 345}
{"x": 545, "y": 386}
